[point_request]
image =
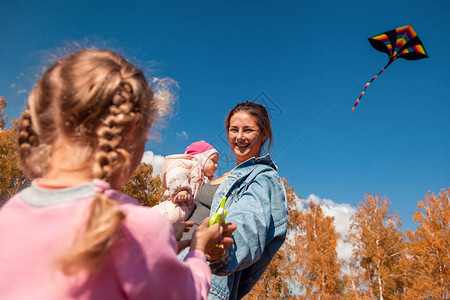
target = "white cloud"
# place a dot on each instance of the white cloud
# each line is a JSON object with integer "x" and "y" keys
{"x": 155, "y": 160}
{"x": 182, "y": 135}
{"x": 341, "y": 213}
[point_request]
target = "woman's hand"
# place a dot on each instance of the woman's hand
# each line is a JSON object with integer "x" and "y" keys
{"x": 225, "y": 242}
{"x": 179, "y": 229}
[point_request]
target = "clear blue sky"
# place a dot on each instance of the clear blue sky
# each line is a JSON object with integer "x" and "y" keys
{"x": 308, "y": 62}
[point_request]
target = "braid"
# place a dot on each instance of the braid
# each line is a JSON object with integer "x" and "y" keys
{"x": 105, "y": 217}
{"x": 109, "y": 155}
{"x": 28, "y": 144}
{"x": 102, "y": 231}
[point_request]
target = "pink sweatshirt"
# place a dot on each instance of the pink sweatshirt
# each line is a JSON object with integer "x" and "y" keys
{"x": 37, "y": 225}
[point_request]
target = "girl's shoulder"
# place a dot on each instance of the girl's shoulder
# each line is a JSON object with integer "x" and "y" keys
{"x": 143, "y": 223}
{"x": 131, "y": 206}
{"x": 135, "y": 212}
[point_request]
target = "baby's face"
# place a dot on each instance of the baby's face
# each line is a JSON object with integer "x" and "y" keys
{"x": 211, "y": 165}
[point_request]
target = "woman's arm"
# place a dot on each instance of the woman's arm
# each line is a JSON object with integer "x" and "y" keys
{"x": 255, "y": 212}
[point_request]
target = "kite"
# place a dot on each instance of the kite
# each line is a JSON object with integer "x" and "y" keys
{"x": 401, "y": 42}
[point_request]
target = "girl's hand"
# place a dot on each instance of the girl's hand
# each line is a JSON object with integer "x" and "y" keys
{"x": 225, "y": 242}
{"x": 179, "y": 229}
{"x": 205, "y": 238}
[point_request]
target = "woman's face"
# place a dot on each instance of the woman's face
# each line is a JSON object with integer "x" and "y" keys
{"x": 244, "y": 136}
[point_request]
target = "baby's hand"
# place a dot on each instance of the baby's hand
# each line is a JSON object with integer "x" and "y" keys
{"x": 182, "y": 196}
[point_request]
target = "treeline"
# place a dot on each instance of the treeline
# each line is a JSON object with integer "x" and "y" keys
{"x": 386, "y": 263}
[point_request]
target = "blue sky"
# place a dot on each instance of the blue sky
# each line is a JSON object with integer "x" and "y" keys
{"x": 307, "y": 61}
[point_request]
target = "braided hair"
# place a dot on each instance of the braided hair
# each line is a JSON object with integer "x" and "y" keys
{"x": 89, "y": 100}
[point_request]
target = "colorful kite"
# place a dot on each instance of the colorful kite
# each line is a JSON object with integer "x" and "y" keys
{"x": 402, "y": 42}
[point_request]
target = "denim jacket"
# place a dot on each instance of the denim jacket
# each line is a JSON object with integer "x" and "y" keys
{"x": 256, "y": 202}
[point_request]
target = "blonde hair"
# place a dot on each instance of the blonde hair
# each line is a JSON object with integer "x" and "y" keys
{"x": 90, "y": 98}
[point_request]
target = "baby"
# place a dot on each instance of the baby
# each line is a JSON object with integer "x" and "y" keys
{"x": 182, "y": 175}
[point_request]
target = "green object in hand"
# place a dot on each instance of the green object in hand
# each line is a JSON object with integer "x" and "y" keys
{"x": 220, "y": 215}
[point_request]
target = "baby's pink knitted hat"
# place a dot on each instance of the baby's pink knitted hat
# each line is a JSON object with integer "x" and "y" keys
{"x": 201, "y": 150}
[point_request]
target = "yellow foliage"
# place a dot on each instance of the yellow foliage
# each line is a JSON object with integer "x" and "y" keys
{"x": 319, "y": 267}
{"x": 12, "y": 179}
{"x": 379, "y": 248}
{"x": 143, "y": 187}
{"x": 306, "y": 266}
{"x": 429, "y": 249}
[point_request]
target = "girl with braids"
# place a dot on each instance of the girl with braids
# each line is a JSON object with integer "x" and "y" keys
{"x": 71, "y": 234}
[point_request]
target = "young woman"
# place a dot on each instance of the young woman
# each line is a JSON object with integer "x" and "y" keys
{"x": 256, "y": 203}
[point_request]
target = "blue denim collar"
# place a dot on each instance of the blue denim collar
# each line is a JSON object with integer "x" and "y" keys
{"x": 265, "y": 160}
{"x": 236, "y": 176}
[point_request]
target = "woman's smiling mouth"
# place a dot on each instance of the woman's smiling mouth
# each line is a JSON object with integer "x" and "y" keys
{"x": 242, "y": 147}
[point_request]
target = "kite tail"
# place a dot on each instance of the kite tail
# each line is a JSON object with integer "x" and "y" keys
{"x": 367, "y": 84}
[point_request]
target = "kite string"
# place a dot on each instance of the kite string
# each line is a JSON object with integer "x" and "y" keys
{"x": 314, "y": 123}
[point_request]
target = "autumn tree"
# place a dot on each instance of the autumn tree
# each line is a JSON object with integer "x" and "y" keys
{"x": 144, "y": 187}
{"x": 354, "y": 283}
{"x": 429, "y": 249}
{"x": 276, "y": 281}
{"x": 319, "y": 269}
{"x": 378, "y": 248}
{"x": 12, "y": 179}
